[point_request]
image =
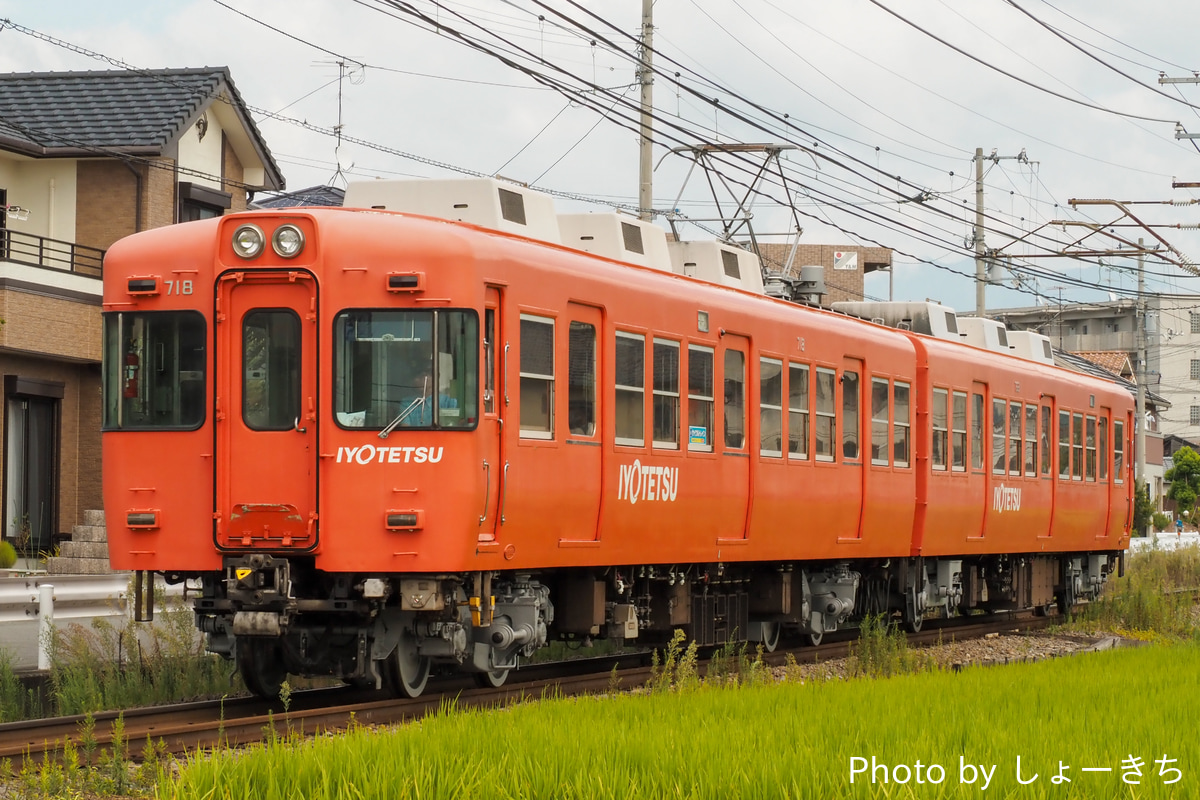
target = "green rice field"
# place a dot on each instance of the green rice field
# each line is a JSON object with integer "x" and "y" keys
{"x": 1082, "y": 727}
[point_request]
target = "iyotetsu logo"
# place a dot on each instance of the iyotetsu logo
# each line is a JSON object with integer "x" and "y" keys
{"x": 370, "y": 454}
{"x": 1006, "y": 498}
{"x": 643, "y": 482}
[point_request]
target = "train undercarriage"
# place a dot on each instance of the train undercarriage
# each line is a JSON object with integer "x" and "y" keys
{"x": 277, "y": 616}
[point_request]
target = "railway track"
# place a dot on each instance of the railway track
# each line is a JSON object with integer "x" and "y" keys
{"x": 241, "y": 721}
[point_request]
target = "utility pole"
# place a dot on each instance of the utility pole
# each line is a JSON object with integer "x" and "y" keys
{"x": 1139, "y": 408}
{"x": 646, "y": 78}
{"x": 981, "y": 251}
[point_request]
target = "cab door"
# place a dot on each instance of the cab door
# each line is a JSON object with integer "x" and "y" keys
{"x": 266, "y": 412}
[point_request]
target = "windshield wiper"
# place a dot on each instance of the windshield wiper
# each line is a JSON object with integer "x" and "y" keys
{"x": 418, "y": 403}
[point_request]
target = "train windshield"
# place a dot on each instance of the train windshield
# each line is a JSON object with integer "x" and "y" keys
{"x": 406, "y": 369}
{"x": 154, "y": 366}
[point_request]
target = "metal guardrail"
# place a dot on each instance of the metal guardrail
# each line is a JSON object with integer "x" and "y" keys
{"x": 1164, "y": 540}
{"x": 31, "y": 603}
{"x": 41, "y": 251}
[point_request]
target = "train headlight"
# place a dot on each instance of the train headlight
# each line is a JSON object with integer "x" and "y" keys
{"x": 248, "y": 240}
{"x": 287, "y": 241}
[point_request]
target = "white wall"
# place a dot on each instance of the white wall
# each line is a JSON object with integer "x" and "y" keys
{"x": 47, "y": 189}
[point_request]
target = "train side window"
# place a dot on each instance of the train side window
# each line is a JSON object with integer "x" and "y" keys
{"x": 901, "y": 414}
{"x": 958, "y": 432}
{"x": 770, "y": 414}
{"x": 537, "y": 377}
{"x": 1064, "y": 445}
{"x": 735, "y": 399}
{"x": 1046, "y": 418}
{"x": 1089, "y": 444}
{"x": 939, "y": 423}
{"x": 666, "y": 394}
{"x": 879, "y": 421}
{"x": 1102, "y": 447}
{"x": 825, "y": 422}
{"x": 1014, "y": 438}
{"x": 581, "y": 379}
{"x": 977, "y": 409}
{"x": 630, "y": 406}
{"x": 700, "y": 398}
{"x": 798, "y": 411}
{"x": 1031, "y": 442}
{"x": 850, "y": 406}
{"x": 1118, "y": 451}
{"x": 999, "y": 418}
{"x": 489, "y": 361}
{"x": 1077, "y": 447}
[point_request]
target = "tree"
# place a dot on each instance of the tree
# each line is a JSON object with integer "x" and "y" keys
{"x": 1185, "y": 482}
{"x": 1143, "y": 510}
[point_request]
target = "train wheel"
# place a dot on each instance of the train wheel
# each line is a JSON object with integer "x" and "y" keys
{"x": 260, "y": 666}
{"x": 491, "y": 680}
{"x": 770, "y": 640}
{"x": 814, "y": 639}
{"x": 406, "y": 671}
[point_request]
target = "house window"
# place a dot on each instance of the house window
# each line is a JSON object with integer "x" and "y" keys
{"x": 631, "y": 389}
{"x": 1195, "y": 318}
{"x": 1194, "y": 415}
{"x": 201, "y": 202}
{"x": 1196, "y": 369}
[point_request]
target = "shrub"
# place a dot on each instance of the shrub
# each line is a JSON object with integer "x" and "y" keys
{"x": 1160, "y": 521}
{"x": 8, "y": 555}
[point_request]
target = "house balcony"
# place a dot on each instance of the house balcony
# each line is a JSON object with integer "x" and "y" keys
{"x": 50, "y": 297}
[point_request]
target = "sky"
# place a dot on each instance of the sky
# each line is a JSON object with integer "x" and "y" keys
{"x": 880, "y": 105}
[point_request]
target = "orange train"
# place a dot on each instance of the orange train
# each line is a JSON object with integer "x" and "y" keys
{"x": 379, "y": 443}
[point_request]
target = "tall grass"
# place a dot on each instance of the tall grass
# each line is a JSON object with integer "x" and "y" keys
{"x": 1154, "y": 600}
{"x": 109, "y": 666}
{"x": 785, "y": 740}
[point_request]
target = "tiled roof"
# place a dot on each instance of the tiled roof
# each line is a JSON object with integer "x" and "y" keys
{"x": 312, "y": 196}
{"x": 114, "y": 112}
{"x": 1115, "y": 361}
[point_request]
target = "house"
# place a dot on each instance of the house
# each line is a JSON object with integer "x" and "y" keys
{"x": 87, "y": 158}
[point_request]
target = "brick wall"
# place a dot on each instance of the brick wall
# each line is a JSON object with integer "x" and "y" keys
{"x": 105, "y": 203}
{"x": 840, "y": 284}
{"x": 51, "y": 326}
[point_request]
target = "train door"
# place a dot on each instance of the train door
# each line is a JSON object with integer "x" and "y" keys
{"x": 494, "y": 408}
{"x": 980, "y": 482}
{"x": 581, "y": 475}
{"x": 266, "y": 411}
{"x": 851, "y": 442}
